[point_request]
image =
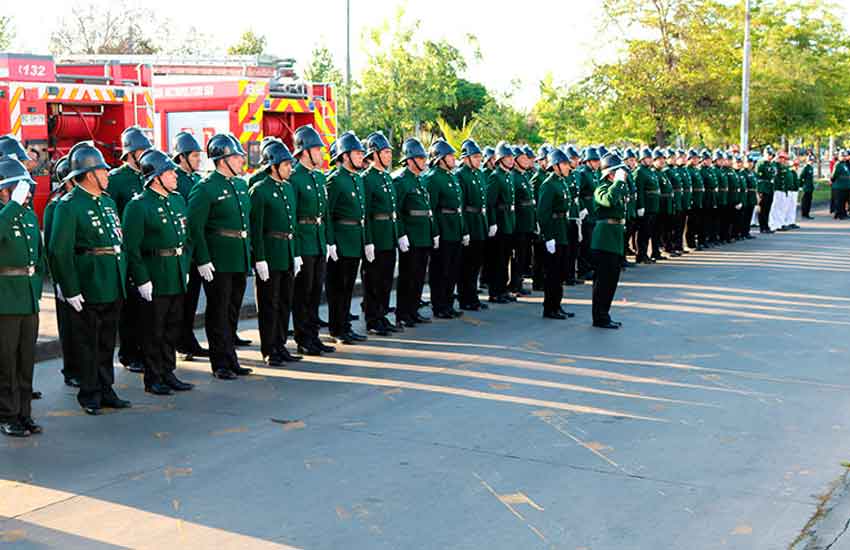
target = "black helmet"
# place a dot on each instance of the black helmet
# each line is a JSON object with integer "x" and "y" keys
{"x": 680, "y": 152}
{"x": 718, "y": 155}
{"x": 768, "y": 151}
{"x": 154, "y": 163}
{"x": 60, "y": 173}
{"x": 237, "y": 145}
{"x": 306, "y": 137}
{"x": 220, "y": 146}
{"x": 347, "y": 143}
{"x": 543, "y": 151}
{"x": 13, "y": 171}
{"x": 602, "y": 150}
{"x": 489, "y": 152}
{"x": 11, "y": 147}
{"x": 556, "y": 156}
{"x": 529, "y": 152}
{"x": 658, "y": 153}
{"x": 469, "y": 148}
{"x": 590, "y": 153}
{"x": 439, "y": 149}
{"x": 572, "y": 152}
{"x": 729, "y": 155}
{"x": 503, "y": 150}
{"x": 185, "y": 143}
{"x": 133, "y": 139}
{"x": 670, "y": 152}
{"x": 645, "y": 153}
{"x": 705, "y": 154}
{"x": 268, "y": 140}
{"x": 84, "y": 158}
{"x": 517, "y": 151}
{"x": 412, "y": 148}
{"x": 275, "y": 153}
{"x": 692, "y": 153}
{"x": 610, "y": 163}
{"x": 630, "y": 154}
{"x": 376, "y": 142}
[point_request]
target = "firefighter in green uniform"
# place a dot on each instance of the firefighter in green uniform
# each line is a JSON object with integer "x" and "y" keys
{"x": 671, "y": 245}
{"x": 648, "y": 205}
{"x": 187, "y": 157}
{"x": 474, "y": 192}
{"x": 553, "y": 210}
{"x": 219, "y": 213}
{"x": 793, "y": 189}
{"x": 776, "y": 221}
{"x": 155, "y": 235}
{"x": 766, "y": 173}
{"x": 686, "y": 199}
{"x": 417, "y": 222}
{"x": 382, "y": 235}
{"x": 807, "y": 183}
{"x": 501, "y": 212}
{"x": 751, "y": 181}
{"x": 574, "y": 235}
{"x": 696, "y": 216}
{"x": 345, "y": 235}
{"x": 586, "y": 177}
{"x": 741, "y": 219}
{"x": 447, "y": 204}
{"x": 21, "y": 270}
{"x": 538, "y": 251}
{"x": 125, "y": 182}
{"x": 89, "y": 265}
{"x": 263, "y": 172}
{"x": 665, "y": 205}
{"x": 488, "y": 162}
{"x": 60, "y": 186}
{"x": 709, "y": 182}
{"x": 274, "y": 252}
{"x": 721, "y": 191}
{"x": 630, "y": 159}
{"x": 732, "y": 196}
{"x": 608, "y": 235}
{"x": 526, "y": 221}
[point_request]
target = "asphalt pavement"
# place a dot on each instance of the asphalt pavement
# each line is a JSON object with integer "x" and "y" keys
{"x": 717, "y": 417}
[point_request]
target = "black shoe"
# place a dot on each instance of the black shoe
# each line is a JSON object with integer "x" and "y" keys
{"x": 91, "y": 410}
{"x": 424, "y": 303}
{"x": 323, "y": 324}
{"x": 749, "y": 237}
{"x": 274, "y": 360}
{"x": 241, "y": 371}
{"x": 357, "y": 336}
{"x": 618, "y": 323}
{"x": 455, "y": 313}
{"x": 498, "y": 300}
{"x": 14, "y": 429}
{"x": 553, "y": 315}
{"x": 345, "y": 339}
{"x": 158, "y": 389}
{"x": 352, "y": 317}
{"x": 391, "y": 327}
{"x": 443, "y": 315}
{"x": 190, "y": 352}
{"x": 324, "y": 348}
{"x": 176, "y": 384}
{"x": 72, "y": 382}
{"x": 115, "y": 402}
{"x": 30, "y": 425}
{"x": 135, "y": 366}
{"x": 567, "y": 314}
{"x": 482, "y": 307}
{"x": 225, "y": 374}
{"x": 421, "y": 319}
{"x": 509, "y": 297}
{"x": 37, "y": 395}
{"x": 240, "y": 342}
{"x": 284, "y": 354}
{"x": 377, "y": 328}
{"x": 607, "y": 324}
{"x": 570, "y": 282}
{"x": 402, "y": 322}
{"x": 470, "y": 307}
{"x": 309, "y": 350}
{"x": 523, "y": 292}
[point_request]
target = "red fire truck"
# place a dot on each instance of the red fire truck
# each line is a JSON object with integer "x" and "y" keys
{"x": 51, "y": 106}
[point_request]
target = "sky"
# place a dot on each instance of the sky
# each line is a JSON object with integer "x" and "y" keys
{"x": 518, "y": 40}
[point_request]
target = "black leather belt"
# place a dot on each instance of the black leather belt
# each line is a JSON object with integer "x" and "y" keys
{"x": 310, "y": 221}
{"x": 526, "y": 203}
{"x": 279, "y": 235}
{"x": 17, "y": 271}
{"x": 231, "y": 233}
{"x": 505, "y": 207}
{"x": 384, "y": 217}
{"x": 347, "y": 221}
{"x": 98, "y": 251}
{"x": 419, "y": 213}
{"x": 558, "y": 215}
{"x": 450, "y": 211}
{"x": 475, "y": 210}
{"x": 164, "y": 252}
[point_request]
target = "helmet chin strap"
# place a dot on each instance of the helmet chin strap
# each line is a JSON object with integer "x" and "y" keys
{"x": 227, "y": 163}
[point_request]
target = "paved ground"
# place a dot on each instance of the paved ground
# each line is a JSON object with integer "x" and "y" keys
{"x": 715, "y": 419}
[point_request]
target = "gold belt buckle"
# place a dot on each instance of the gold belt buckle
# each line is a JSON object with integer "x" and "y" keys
{"x": 243, "y": 234}
{"x": 31, "y": 270}
{"x": 117, "y": 248}
{"x": 179, "y": 250}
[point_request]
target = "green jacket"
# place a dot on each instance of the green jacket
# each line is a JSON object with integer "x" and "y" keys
{"x": 20, "y": 247}
{"x": 665, "y": 205}
{"x": 258, "y": 176}
{"x": 311, "y": 204}
{"x": 779, "y": 179}
{"x": 807, "y": 178}
{"x": 124, "y": 184}
{"x": 49, "y": 216}
{"x": 414, "y": 204}
{"x": 732, "y": 184}
{"x": 153, "y": 223}
{"x": 381, "y": 203}
{"x": 685, "y": 178}
{"x": 273, "y": 224}
{"x": 553, "y": 209}
{"x": 586, "y": 182}
{"x": 722, "y": 195}
{"x": 697, "y": 188}
{"x": 446, "y": 203}
{"x": 792, "y": 180}
{"x": 526, "y": 220}
{"x": 752, "y": 187}
{"x": 347, "y": 212}
{"x": 540, "y": 175}
{"x": 649, "y": 191}
{"x": 84, "y": 222}
{"x": 631, "y": 197}
{"x": 710, "y": 184}
{"x": 501, "y": 201}
{"x": 474, "y": 202}
{"x": 840, "y": 177}
{"x": 216, "y": 204}
{"x": 672, "y": 176}
{"x": 610, "y": 207}
{"x": 766, "y": 172}
{"x": 185, "y": 182}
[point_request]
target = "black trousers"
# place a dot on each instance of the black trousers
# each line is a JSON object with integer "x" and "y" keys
{"x": 646, "y": 231}
{"x": 274, "y": 302}
{"x": 443, "y": 274}
{"x": 679, "y": 235}
{"x": 224, "y": 299}
{"x": 571, "y": 252}
{"x": 95, "y": 329}
{"x": 306, "y": 297}
{"x": 806, "y": 204}
{"x": 70, "y": 363}
{"x": 553, "y": 290}
{"x": 723, "y": 221}
{"x": 585, "y": 258}
{"x": 473, "y": 259}
{"x": 162, "y": 318}
{"x": 691, "y": 229}
{"x": 130, "y": 328}
{"x": 605, "y": 284}
{"x": 841, "y": 197}
{"x": 17, "y": 360}
{"x": 538, "y": 258}
{"x": 765, "y": 202}
{"x": 748, "y": 217}
{"x": 187, "y": 340}
{"x": 340, "y": 285}
{"x": 658, "y": 234}
{"x": 521, "y": 260}
{"x": 378, "y": 284}
{"x": 497, "y": 261}
{"x": 412, "y": 266}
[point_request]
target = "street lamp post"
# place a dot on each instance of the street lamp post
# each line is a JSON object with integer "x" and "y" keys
{"x": 745, "y": 82}
{"x": 348, "y": 60}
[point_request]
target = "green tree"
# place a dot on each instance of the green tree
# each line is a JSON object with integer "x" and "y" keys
{"x": 498, "y": 120}
{"x": 7, "y": 32}
{"x": 105, "y": 29}
{"x": 250, "y": 43}
{"x": 470, "y": 97}
{"x": 322, "y": 67}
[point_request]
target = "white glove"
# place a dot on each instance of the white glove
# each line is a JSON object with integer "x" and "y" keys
{"x": 403, "y": 243}
{"x": 739, "y": 206}
{"x": 20, "y": 192}
{"x": 262, "y": 270}
{"x": 146, "y": 291}
{"x": 550, "y": 246}
{"x": 297, "y": 262}
{"x": 492, "y": 231}
{"x": 369, "y": 251}
{"x": 580, "y": 236}
{"x": 641, "y": 212}
{"x": 206, "y": 271}
{"x": 76, "y": 302}
{"x": 436, "y": 242}
{"x": 465, "y": 240}
{"x": 59, "y": 295}
{"x": 583, "y": 214}
{"x": 620, "y": 175}
{"x": 332, "y": 252}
